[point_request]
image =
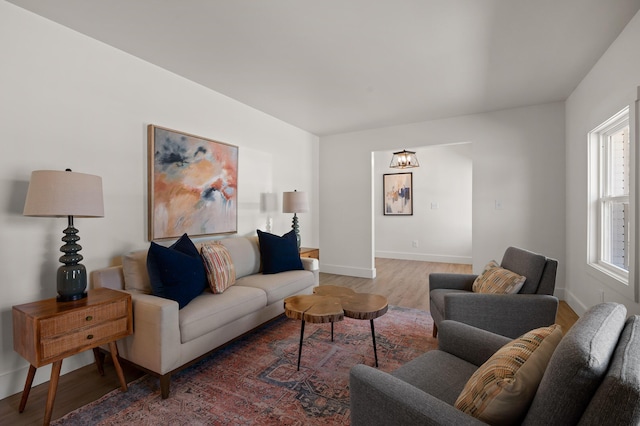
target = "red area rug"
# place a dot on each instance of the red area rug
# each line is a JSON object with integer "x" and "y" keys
{"x": 254, "y": 381}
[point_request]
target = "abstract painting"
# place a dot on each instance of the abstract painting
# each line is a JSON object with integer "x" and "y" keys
{"x": 398, "y": 197}
{"x": 193, "y": 185}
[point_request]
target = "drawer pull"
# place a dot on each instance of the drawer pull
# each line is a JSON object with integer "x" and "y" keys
{"x": 89, "y": 337}
{"x": 89, "y": 318}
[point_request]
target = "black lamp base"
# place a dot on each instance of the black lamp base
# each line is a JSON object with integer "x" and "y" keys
{"x": 70, "y": 297}
{"x": 72, "y": 275}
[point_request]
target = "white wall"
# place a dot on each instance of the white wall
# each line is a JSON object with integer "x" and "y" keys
{"x": 610, "y": 86}
{"x": 69, "y": 101}
{"x": 441, "y": 220}
{"x": 518, "y": 159}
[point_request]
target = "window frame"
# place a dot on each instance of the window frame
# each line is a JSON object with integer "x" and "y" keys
{"x": 623, "y": 281}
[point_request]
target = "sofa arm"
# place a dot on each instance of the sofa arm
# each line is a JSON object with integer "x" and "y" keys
{"x": 111, "y": 277}
{"x": 469, "y": 343}
{"x": 509, "y": 315}
{"x": 378, "y": 398}
{"x": 155, "y": 342}
{"x": 451, "y": 281}
{"x": 311, "y": 264}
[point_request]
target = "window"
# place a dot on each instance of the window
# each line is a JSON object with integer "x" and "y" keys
{"x": 609, "y": 172}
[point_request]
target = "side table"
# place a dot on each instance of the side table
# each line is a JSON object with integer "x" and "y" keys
{"x": 48, "y": 331}
{"x": 310, "y": 252}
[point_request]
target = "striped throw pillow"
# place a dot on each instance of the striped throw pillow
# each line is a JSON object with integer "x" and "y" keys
{"x": 495, "y": 279}
{"x": 501, "y": 390}
{"x": 221, "y": 274}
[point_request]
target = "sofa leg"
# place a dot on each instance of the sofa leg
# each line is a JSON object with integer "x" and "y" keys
{"x": 435, "y": 330}
{"x": 165, "y": 381}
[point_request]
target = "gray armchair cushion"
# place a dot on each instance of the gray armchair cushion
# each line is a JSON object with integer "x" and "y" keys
{"x": 445, "y": 382}
{"x": 378, "y": 398}
{"x": 577, "y": 367}
{"x": 525, "y": 263}
{"x": 621, "y": 384}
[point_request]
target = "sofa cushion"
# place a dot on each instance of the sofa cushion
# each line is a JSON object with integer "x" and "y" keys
{"x": 278, "y": 286}
{"x": 134, "y": 269}
{"x": 245, "y": 254}
{"x": 500, "y": 391}
{"x": 221, "y": 273}
{"x": 209, "y": 311}
{"x": 617, "y": 400}
{"x": 497, "y": 280}
{"x": 176, "y": 272}
{"x": 279, "y": 254}
{"x": 577, "y": 366}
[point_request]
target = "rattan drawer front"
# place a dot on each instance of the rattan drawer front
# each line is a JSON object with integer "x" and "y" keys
{"x": 84, "y": 339}
{"x": 83, "y": 318}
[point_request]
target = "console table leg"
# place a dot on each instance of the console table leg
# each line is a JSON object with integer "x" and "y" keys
{"x": 373, "y": 335}
{"x": 114, "y": 356}
{"x": 53, "y": 388}
{"x": 300, "y": 348}
{"x": 27, "y": 387}
{"x": 99, "y": 360}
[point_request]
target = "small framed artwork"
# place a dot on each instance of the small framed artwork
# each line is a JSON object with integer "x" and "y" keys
{"x": 193, "y": 185}
{"x": 398, "y": 194}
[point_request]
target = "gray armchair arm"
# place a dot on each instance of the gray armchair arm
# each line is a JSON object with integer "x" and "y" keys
{"x": 469, "y": 343}
{"x": 451, "y": 281}
{"x": 378, "y": 398}
{"x": 509, "y": 315}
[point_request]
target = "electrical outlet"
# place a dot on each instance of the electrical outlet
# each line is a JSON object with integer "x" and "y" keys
{"x": 414, "y": 243}
{"x": 498, "y": 204}
{"x": 435, "y": 206}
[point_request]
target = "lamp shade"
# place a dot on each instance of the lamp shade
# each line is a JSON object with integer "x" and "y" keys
{"x": 54, "y": 193}
{"x": 294, "y": 202}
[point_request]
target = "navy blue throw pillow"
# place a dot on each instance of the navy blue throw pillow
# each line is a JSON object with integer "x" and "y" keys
{"x": 279, "y": 254}
{"x": 176, "y": 272}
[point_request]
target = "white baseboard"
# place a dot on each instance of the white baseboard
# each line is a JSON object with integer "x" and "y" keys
{"x": 424, "y": 257}
{"x": 575, "y": 303}
{"x": 348, "y": 271}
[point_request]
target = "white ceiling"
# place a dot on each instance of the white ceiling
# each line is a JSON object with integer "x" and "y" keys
{"x": 332, "y": 66}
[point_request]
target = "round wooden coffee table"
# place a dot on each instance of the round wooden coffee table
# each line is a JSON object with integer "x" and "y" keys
{"x": 332, "y": 303}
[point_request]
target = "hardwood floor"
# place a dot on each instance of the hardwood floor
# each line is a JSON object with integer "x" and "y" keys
{"x": 403, "y": 282}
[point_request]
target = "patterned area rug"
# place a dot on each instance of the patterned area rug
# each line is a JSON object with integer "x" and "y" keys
{"x": 254, "y": 381}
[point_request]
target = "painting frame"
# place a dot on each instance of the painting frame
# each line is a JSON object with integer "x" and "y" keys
{"x": 397, "y": 194}
{"x": 192, "y": 185}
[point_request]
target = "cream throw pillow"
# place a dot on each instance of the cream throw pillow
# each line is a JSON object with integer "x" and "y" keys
{"x": 495, "y": 279}
{"x": 221, "y": 274}
{"x": 501, "y": 390}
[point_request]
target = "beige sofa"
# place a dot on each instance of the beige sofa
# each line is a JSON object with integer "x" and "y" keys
{"x": 166, "y": 339}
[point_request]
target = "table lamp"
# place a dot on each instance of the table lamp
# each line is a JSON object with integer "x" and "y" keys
{"x": 55, "y": 193}
{"x": 295, "y": 202}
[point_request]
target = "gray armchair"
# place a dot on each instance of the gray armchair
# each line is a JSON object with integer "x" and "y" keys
{"x": 593, "y": 377}
{"x": 511, "y": 315}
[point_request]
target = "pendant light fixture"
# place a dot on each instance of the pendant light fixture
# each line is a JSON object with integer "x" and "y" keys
{"x": 404, "y": 160}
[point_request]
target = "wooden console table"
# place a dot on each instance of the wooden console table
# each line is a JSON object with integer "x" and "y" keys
{"x": 48, "y": 331}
